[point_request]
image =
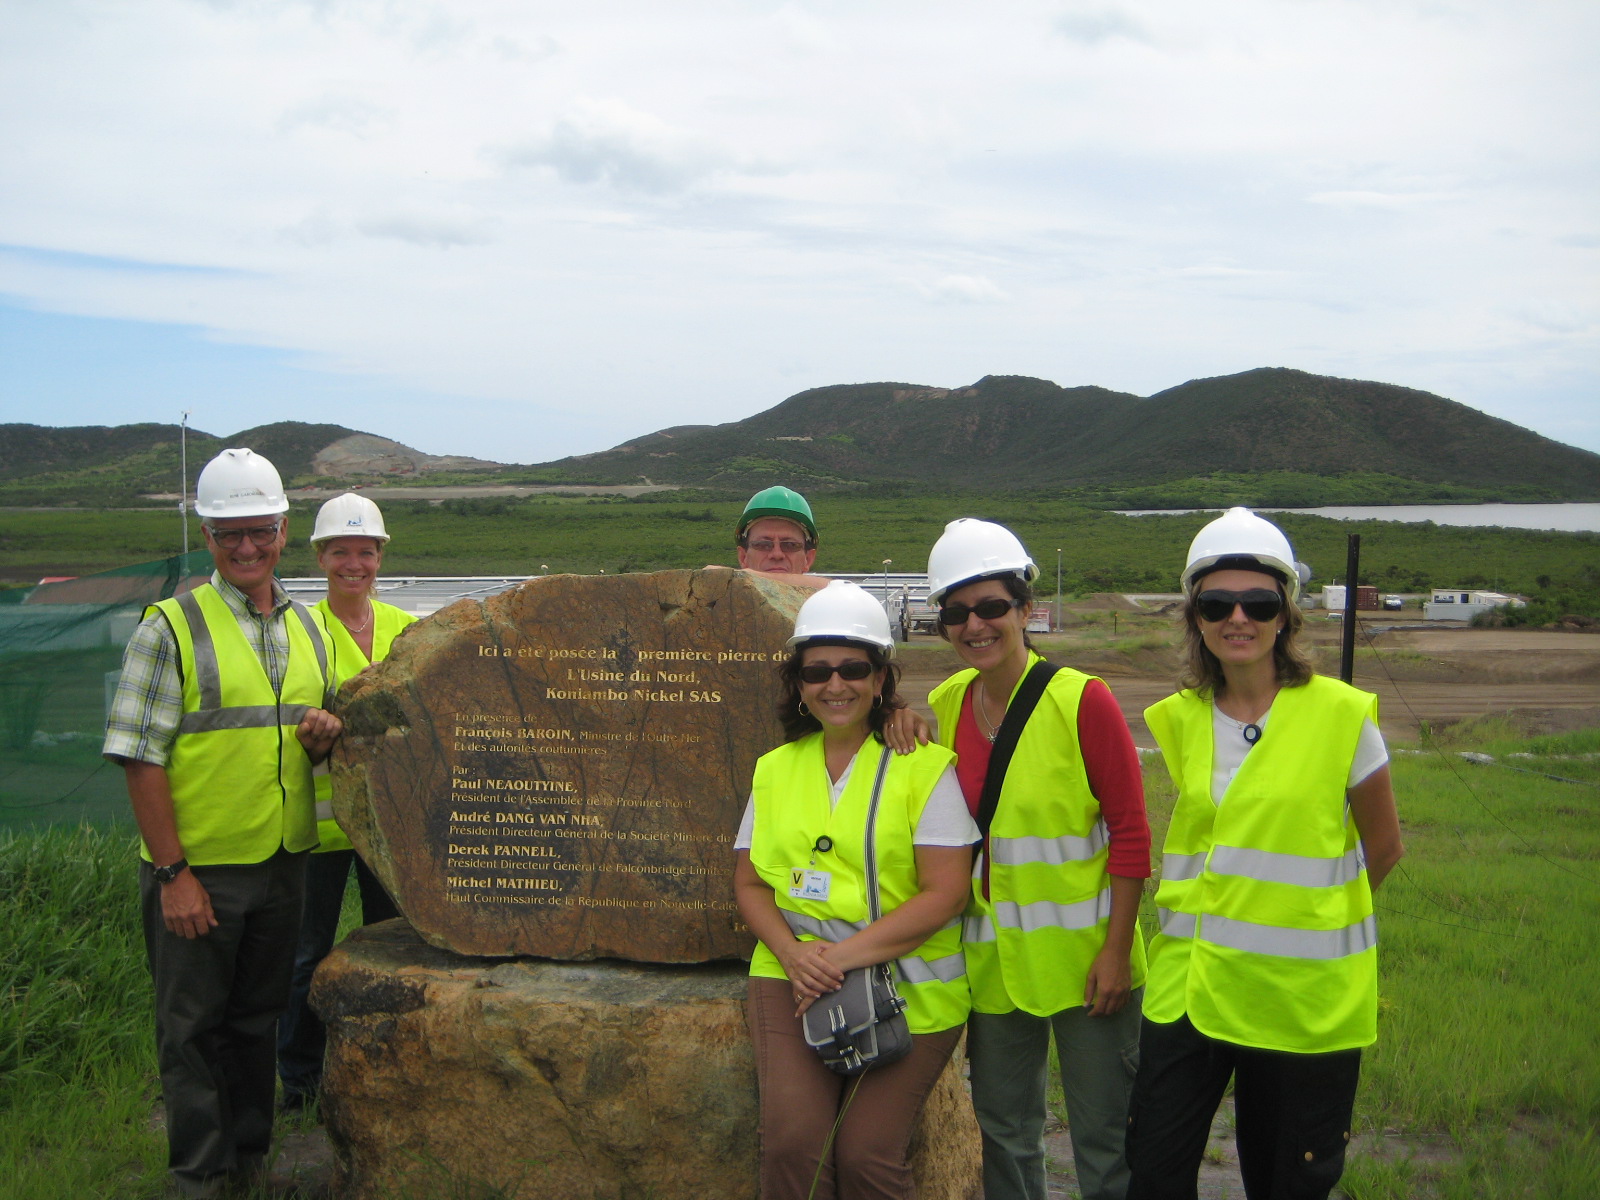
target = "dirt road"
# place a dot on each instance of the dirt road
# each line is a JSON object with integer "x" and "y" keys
{"x": 1551, "y": 680}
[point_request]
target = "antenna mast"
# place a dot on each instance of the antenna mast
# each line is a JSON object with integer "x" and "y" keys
{"x": 183, "y": 470}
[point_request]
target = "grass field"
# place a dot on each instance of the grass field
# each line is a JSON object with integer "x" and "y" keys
{"x": 1100, "y": 551}
{"x": 1485, "y": 1082}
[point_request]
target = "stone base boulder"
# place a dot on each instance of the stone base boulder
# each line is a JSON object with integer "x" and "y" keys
{"x": 525, "y": 1079}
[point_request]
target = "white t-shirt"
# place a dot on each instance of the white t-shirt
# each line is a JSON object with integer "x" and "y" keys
{"x": 1228, "y": 748}
{"x": 945, "y": 820}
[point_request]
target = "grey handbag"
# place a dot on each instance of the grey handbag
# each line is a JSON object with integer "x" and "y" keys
{"x": 863, "y": 1024}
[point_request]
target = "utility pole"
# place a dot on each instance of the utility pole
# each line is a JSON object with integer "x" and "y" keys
{"x": 1347, "y": 646}
{"x": 1057, "y": 613}
{"x": 183, "y": 475}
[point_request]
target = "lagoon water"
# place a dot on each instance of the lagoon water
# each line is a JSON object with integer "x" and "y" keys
{"x": 1569, "y": 518}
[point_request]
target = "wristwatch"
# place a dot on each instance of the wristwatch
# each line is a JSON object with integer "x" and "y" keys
{"x": 169, "y": 873}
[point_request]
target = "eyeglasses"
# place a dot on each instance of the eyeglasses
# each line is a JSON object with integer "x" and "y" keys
{"x": 1259, "y": 604}
{"x": 260, "y": 535}
{"x": 767, "y": 546}
{"x": 855, "y": 669}
{"x": 990, "y": 610}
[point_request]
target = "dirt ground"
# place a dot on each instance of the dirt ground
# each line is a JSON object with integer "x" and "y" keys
{"x": 1550, "y": 680}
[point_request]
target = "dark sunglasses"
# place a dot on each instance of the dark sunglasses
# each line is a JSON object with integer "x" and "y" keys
{"x": 1259, "y": 604}
{"x": 990, "y": 610}
{"x": 855, "y": 669}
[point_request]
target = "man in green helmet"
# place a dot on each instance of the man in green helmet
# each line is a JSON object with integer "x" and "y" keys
{"x": 777, "y": 535}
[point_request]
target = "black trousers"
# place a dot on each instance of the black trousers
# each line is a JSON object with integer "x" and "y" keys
{"x": 302, "y": 1038}
{"x": 218, "y": 999}
{"x": 1292, "y": 1110}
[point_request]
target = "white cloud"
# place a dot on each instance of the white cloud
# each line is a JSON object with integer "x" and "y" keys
{"x": 1391, "y": 201}
{"x": 965, "y": 289}
{"x": 607, "y": 141}
{"x": 1092, "y": 26}
{"x": 425, "y": 230}
{"x": 593, "y": 221}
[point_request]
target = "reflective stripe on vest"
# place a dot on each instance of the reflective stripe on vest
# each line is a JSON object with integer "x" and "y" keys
{"x": 1267, "y": 933}
{"x": 1033, "y": 938}
{"x": 1176, "y": 924}
{"x": 791, "y": 796}
{"x": 913, "y": 969}
{"x": 1041, "y": 914}
{"x": 1055, "y": 852}
{"x": 1289, "y": 943}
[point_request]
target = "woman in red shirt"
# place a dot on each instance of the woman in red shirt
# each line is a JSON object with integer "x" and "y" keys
{"x": 1051, "y": 932}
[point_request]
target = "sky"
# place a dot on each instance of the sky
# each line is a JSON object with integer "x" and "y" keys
{"x": 519, "y": 230}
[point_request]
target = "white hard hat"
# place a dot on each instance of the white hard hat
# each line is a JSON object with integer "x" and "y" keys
{"x": 843, "y": 610}
{"x": 239, "y": 483}
{"x": 1239, "y": 533}
{"x": 348, "y": 515}
{"x": 971, "y": 549}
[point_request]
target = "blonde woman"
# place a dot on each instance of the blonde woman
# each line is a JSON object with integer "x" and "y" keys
{"x": 349, "y": 538}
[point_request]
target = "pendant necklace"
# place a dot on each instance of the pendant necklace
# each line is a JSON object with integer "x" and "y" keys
{"x": 981, "y": 703}
{"x": 1249, "y": 730}
{"x": 361, "y": 628}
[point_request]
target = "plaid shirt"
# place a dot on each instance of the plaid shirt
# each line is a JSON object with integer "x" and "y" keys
{"x": 148, "y": 703}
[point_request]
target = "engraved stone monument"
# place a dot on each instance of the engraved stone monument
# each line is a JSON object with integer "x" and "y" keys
{"x": 559, "y": 770}
{"x": 546, "y": 780}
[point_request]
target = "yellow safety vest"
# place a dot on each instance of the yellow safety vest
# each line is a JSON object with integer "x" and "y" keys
{"x": 241, "y": 781}
{"x": 348, "y": 662}
{"x": 1267, "y": 934}
{"x": 1031, "y": 941}
{"x": 791, "y": 795}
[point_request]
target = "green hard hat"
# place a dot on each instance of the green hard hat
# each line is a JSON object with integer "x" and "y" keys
{"x": 777, "y": 502}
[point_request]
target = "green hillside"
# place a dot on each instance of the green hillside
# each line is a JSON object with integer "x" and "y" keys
{"x": 1271, "y": 436}
{"x": 98, "y": 465}
{"x": 1015, "y": 432}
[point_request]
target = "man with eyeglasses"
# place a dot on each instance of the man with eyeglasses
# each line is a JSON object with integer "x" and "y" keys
{"x": 777, "y": 535}
{"x": 218, "y": 717}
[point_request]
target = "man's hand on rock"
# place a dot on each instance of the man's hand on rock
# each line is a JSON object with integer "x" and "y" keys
{"x": 317, "y": 731}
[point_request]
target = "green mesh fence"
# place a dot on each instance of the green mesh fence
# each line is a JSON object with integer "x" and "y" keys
{"x": 60, "y": 651}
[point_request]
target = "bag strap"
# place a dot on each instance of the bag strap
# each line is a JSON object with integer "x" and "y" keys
{"x": 874, "y": 901}
{"x": 1006, "y": 738}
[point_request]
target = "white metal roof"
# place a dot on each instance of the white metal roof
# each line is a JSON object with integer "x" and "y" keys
{"x": 418, "y": 595}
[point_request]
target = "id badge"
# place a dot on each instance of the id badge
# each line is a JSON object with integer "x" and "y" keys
{"x": 806, "y": 884}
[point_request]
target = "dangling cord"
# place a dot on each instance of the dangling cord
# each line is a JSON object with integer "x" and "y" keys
{"x": 827, "y": 1142}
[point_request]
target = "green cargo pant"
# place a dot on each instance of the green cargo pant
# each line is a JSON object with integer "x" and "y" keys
{"x": 1010, "y": 1055}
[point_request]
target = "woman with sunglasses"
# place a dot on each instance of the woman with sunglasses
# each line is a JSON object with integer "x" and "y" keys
{"x": 349, "y": 538}
{"x": 800, "y": 881}
{"x": 1265, "y": 967}
{"x": 1050, "y": 772}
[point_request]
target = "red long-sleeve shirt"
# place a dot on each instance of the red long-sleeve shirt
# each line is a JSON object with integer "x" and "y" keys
{"x": 1110, "y": 760}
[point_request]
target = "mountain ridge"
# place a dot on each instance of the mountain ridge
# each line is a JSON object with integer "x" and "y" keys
{"x": 1001, "y": 433}
{"x": 1271, "y": 419}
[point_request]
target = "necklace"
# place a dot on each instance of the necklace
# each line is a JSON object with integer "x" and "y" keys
{"x": 361, "y": 628}
{"x": 1249, "y": 730}
{"x": 981, "y": 703}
